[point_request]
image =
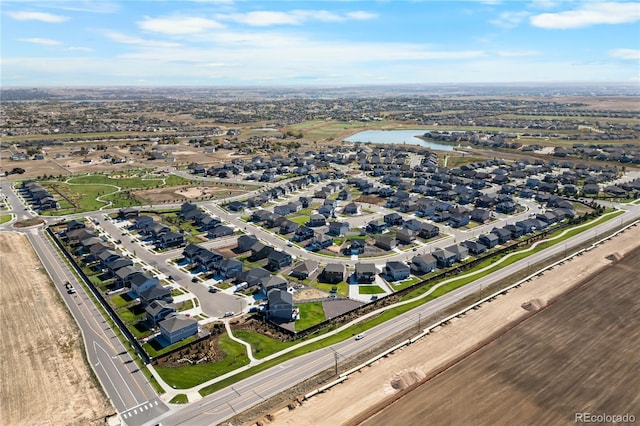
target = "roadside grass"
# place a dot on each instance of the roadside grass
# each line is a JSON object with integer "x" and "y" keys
{"x": 123, "y": 183}
{"x": 4, "y": 218}
{"x": 180, "y": 398}
{"x": 370, "y": 289}
{"x": 192, "y": 375}
{"x": 311, "y": 313}
{"x": 262, "y": 345}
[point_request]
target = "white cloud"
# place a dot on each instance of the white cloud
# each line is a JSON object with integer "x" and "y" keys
{"x": 79, "y": 49}
{"x": 40, "y": 41}
{"x": 90, "y": 6}
{"x": 176, "y": 25}
{"x": 361, "y": 15}
{"x": 37, "y": 16}
{"x": 125, "y": 39}
{"x": 295, "y": 17}
{"x": 509, "y": 19}
{"x": 630, "y": 54}
{"x": 517, "y": 53}
{"x": 589, "y": 14}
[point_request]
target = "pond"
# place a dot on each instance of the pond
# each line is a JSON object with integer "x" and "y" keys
{"x": 397, "y": 137}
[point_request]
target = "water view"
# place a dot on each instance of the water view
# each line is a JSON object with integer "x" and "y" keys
{"x": 397, "y": 137}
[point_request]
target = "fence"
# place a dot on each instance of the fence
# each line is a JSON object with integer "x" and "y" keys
{"x": 96, "y": 292}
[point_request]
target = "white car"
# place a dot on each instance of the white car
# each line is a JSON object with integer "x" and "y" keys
{"x": 360, "y": 336}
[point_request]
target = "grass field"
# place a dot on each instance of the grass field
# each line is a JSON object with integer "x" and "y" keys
{"x": 4, "y": 218}
{"x": 343, "y": 287}
{"x": 261, "y": 345}
{"x": 311, "y": 313}
{"x": 192, "y": 375}
{"x": 370, "y": 289}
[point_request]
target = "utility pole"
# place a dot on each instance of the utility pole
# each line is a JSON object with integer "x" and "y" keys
{"x": 419, "y": 320}
{"x": 335, "y": 356}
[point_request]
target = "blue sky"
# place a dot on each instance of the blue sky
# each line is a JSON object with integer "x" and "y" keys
{"x": 266, "y": 43}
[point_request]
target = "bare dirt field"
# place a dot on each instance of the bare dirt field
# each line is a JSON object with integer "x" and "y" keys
{"x": 44, "y": 378}
{"x": 387, "y": 378}
{"x": 579, "y": 355}
{"x": 183, "y": 193}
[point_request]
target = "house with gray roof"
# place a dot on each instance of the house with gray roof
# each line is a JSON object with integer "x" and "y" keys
{"x": 158, "y": 310}
{"x": 333, "y": 273}
{"x": 176, "y": 327}
{"x": 365, "y": 272}
{"x": 280, "y": 307}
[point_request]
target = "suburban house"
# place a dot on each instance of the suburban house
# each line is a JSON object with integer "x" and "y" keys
{"x": 412, "y": 224}
{"x": 406, "y": 236}
{"x": 260, "y": 251}
{"x": 280, "y": 307}
{"x": 474, "y": 247}
{"x": 143, "y": 222}
{"x": 123, "y": 276}
{"x": 170, "y": 239}
{"x": 333, "y": 273}
{"x": 127, "y": 213}
{"x": 76, "y": 235}
{"x": 273, "y": 281}
{"x": 393, "y": 219}
{"x": 460, "y": 251}
{"x": 142, "y": 281}
{"x": 355, "y": 247}
{"x": 253, "y": 276}
{"x": 278, "y": 259}
{"x": 304, "y": 269}
{"x": 489, "y": 240}
{"x": 245, "y": 242}
{"x": 458, "y": 220}
{"x": 423, "y": 264}
{"x": 365, "y": 272}
{"x": 397, "y": 271}
{"x": 338, "y": 228}
{"x": 303, "y": 233}
{"x": 503, "y": 235}
{"x": 176, "y": 327}
{"x": 155, "y": 293}
{"x": 236, "y": 206}
{"x": 386, "y": 243}
{"x": 444, "y": 258}
{"x": 288, "y": 226}
{"x": 118, "y": 263}
{"x": 158, "y": 310}
{"x": 351, "y": 209}
{"x": 209, "y": 222}
{"x": 75, "y": 224}
{"x": 316, "y": 220}
{"x": 377, "y": 226}
{"x": 319, "y": 242}
{"x": 480, "y": 215}
{"x": 220, "y": 231}
{"x": 230, "y": 268}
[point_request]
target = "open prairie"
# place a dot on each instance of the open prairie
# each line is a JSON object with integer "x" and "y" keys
{"x": 43, "y": 376}
{"x": 579, "y": 355}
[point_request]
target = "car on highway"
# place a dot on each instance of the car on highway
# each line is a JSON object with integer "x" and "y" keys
{"x": 360, "y": 336}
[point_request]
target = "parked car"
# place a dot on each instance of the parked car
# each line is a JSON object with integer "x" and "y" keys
{"x": 228, "y": 314}
{"x": 213, "y": 289}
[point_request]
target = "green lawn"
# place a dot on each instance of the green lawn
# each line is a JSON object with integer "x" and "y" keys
{"x": 370, "y": 289}
{"x": 300, "y": 220}
{"x": 261, "y": 345}
{"x": 406, "y": 283}
{"x": 180, "y": 398}
{"x": 124, "y": 183}
{"x": 4, "y": 218}
{"x": 311, "y": 313}
{"x": 192, "y": 375}
{"x": 343, "y": 287}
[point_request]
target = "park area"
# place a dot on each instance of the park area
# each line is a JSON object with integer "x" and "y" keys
{"x": 45, "y": 379}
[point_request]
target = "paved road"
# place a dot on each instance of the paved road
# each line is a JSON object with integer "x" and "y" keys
{"x": 247, "y": 393}
{"x": 127, "y": 387}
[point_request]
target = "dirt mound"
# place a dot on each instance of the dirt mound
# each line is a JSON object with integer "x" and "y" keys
{"x": 614, "y": 257}
{"x": 534, "y": 305}
{"x": 404, "y": 379}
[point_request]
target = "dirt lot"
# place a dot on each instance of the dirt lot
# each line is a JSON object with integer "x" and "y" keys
{"x": 44, "y": 378}
{"x": 387, "y": 377}
{"x": 579, "y": 355}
